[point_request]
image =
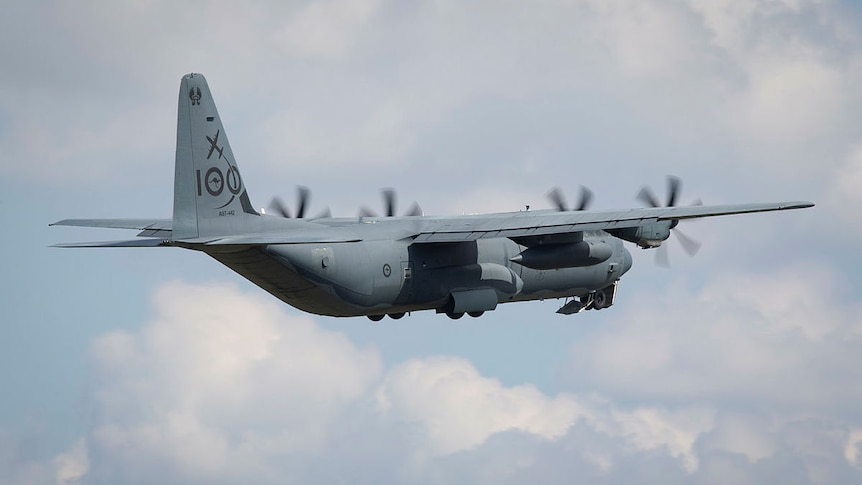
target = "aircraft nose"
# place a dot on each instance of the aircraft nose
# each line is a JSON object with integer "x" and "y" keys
{"x": 627, "y": 260}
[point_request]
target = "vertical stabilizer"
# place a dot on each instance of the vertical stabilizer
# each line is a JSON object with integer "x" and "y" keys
{"x": 210, "y": 198}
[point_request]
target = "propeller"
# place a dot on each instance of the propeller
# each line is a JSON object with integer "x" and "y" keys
{"x": 584, "y": 201}
{"x": 389, "y": 206}
{"x": 303, "y": 194}
{"x": 648, "y": 197}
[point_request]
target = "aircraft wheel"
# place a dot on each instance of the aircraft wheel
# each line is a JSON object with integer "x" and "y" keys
{"x": 600, "y": 300}
{"x": 454, "y": 316}
{"x": 375, "y": 318}
{"x": 475, "y": 314}
{"x": 396, "y": 316}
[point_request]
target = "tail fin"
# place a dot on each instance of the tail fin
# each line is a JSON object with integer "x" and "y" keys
{"x": 209, "y": 193}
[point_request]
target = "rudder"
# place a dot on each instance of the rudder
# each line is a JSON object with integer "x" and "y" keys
{"x": 210, "y": 197}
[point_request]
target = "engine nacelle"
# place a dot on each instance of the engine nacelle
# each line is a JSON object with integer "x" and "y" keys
{"x": 646, "y": 236}
{"x": 568, "y": 255}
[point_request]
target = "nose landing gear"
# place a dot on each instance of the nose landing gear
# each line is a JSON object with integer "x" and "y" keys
{"x": 597, "y": 300}
{"x": 602, "y": 300}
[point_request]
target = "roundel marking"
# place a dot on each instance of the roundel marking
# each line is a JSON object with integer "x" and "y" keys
{"x": 387, "y": 270}
{"x": 214, "y": 181}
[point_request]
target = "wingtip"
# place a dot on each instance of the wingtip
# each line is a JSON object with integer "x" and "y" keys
{"x": 803, "y": 204}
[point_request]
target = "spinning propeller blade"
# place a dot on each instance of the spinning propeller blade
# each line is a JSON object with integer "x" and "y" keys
{"x": 647, "y": 196}
{"x": 389, "y": 206}
{"x": 277, "y": 205}
{"x": 584, "y": 200}
{"x": 389, "y": 201}
{"x": 303, "y": 195}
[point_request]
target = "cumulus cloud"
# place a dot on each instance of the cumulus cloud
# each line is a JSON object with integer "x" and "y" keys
{"x": 73, "y": 464}
{"x": 758, "y": 337}
{"x": 744, "y": 376}
{"x": 223, "y": 386}
{"x": 851, "y": 449}
{"x": 554, "y": 83}
{"x": 460, "y": 409}
{"x": 19, "y": 467}
{"x": 326, "y": 29}
{"x": 219, "y": 382}
{"x": 775, "y": 351}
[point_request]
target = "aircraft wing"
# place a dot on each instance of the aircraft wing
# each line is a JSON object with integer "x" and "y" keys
{"x": 307, "y": 237}
{"x": 540, "y": 223}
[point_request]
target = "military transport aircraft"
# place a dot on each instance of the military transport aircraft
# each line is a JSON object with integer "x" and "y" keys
{"x": 390, "y": 265}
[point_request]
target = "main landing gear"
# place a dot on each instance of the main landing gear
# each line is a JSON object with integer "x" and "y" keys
{"x": 457, "y": 315}
{"x": 397, "y": 316}
{"x": 394, "y": 316}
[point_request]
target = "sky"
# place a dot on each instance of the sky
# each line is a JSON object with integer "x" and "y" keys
{"x": 740, "y": 365}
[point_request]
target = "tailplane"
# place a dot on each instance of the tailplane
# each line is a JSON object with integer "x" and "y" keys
{"x": 209, "y": 194}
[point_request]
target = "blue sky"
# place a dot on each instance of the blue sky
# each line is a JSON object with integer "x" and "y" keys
{"x": 739, "y": 365}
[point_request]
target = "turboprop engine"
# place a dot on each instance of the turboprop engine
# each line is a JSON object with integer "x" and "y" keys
{"x": 647, "y": 236}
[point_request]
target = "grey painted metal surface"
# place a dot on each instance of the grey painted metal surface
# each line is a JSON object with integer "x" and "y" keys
{"x": 392, "y": 265}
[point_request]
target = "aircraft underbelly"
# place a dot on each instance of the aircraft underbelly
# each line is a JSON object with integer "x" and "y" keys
{"x": 340, "y": 280}
{"x": 257, "y": 266}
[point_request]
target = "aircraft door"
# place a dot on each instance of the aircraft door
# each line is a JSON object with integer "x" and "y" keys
{"x": 406, "y": 281}
{"x": 387, "y": 260}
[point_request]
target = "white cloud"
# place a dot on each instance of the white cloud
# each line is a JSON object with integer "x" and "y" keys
{"x": 647, "y": 39}
{"x": 789, "y": 95}
{"x": 846, "y": 196}
{"x": 650, "y": 428}
{"x": 851, "y": 449}
{"x": 759, "y": 337}
{"x": 748, "y": 434}
{"x": 749, "y": 375}
{"x": 326, "y": 29}
{"x": 361, "y": 83}
{"x": 72, "y": 465}
{"x": 221, "y": 386}
{"x": 220, "y": 377}
{"x": 460, "y": 409}
{"x": 17, "y": 468}
{"x": 790, "y": 80}
{"x": 850, "y": 176}
{"x": 219, "y": 382}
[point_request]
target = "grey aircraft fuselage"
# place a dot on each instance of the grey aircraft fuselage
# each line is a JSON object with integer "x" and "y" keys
{"x": 384, "y": 274}
{"x": 378, "y": 266}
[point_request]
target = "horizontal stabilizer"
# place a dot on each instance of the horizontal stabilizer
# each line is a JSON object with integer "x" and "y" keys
{"x": 133, "y": 243}
{"x": 139, "y": 224}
